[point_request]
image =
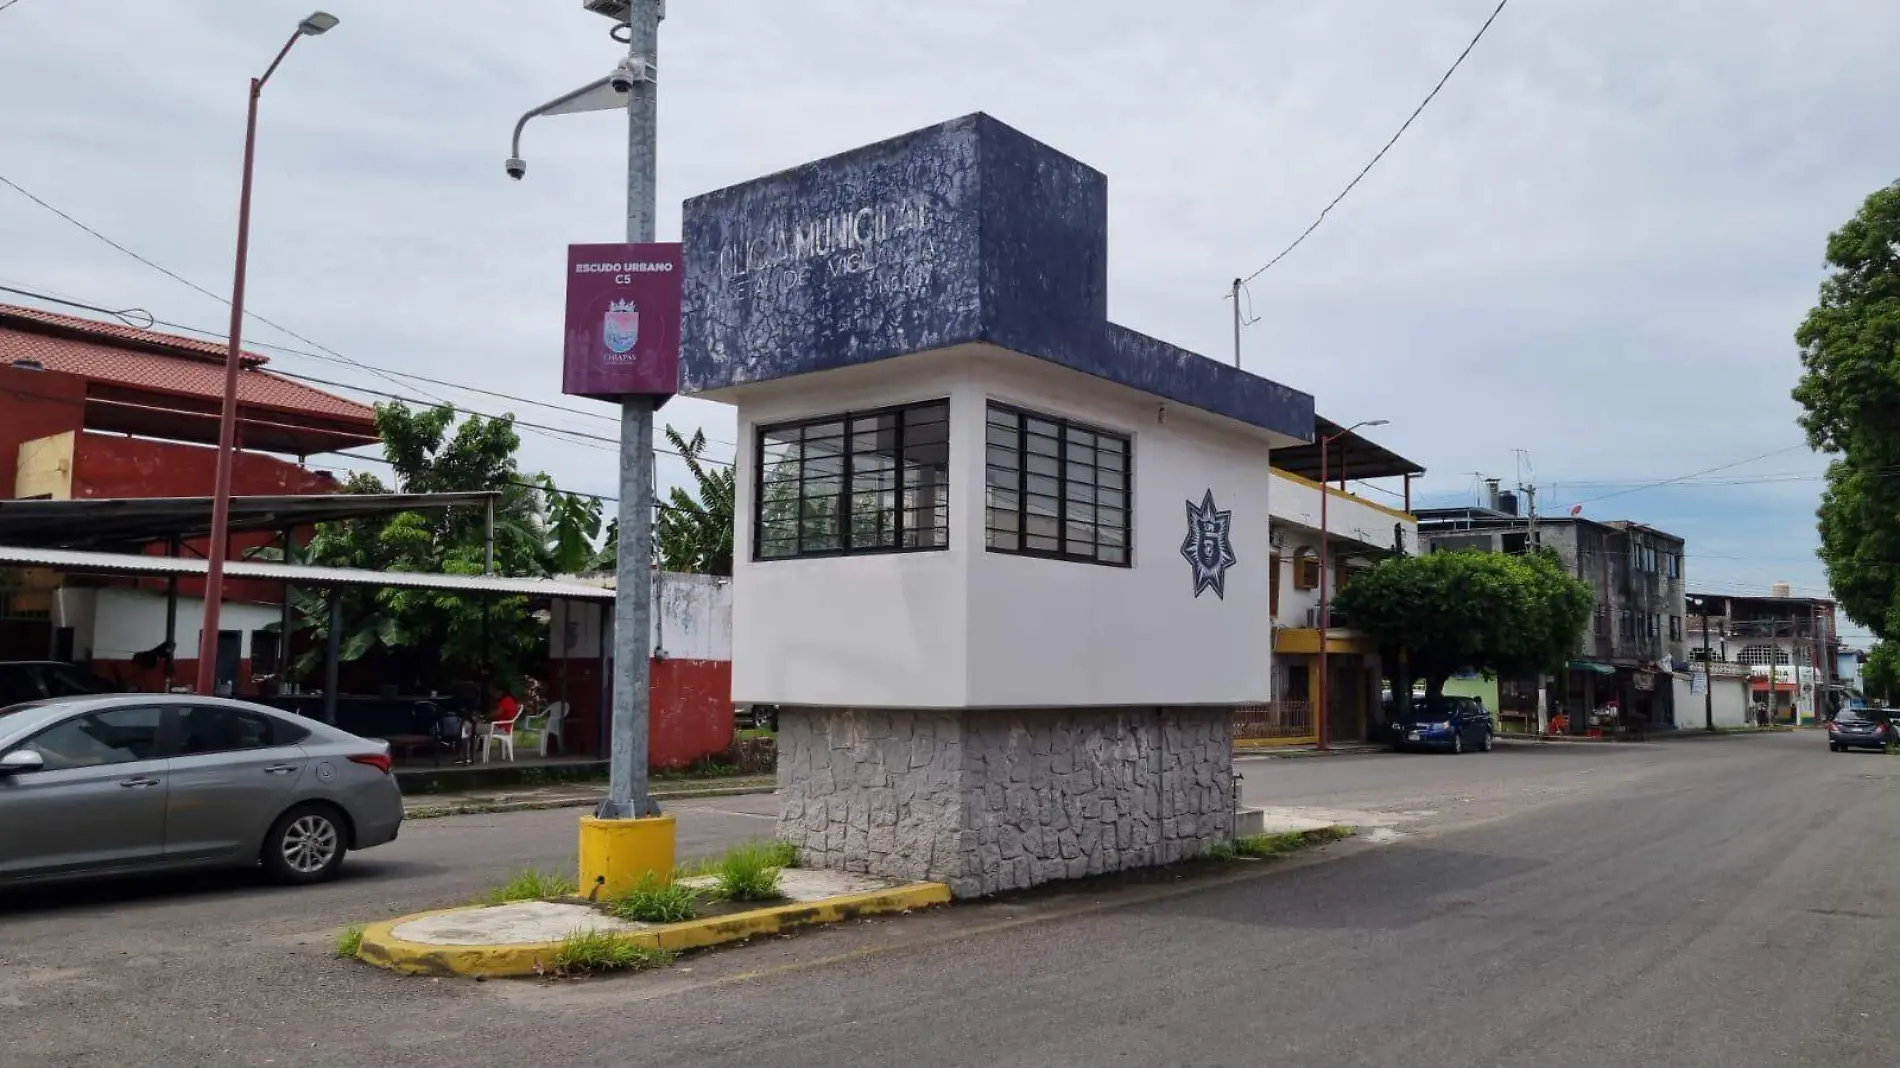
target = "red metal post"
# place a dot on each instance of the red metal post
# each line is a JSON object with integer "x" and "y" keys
{"x": 1320, "y": 724}
{"x": 207, "y": 679}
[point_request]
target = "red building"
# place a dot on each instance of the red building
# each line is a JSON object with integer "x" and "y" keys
{"x": 92, "y": 409}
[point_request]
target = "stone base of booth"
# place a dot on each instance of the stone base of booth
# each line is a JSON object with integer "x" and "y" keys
{"x": 987, "y": 800}
{"x": 616, "y": 854}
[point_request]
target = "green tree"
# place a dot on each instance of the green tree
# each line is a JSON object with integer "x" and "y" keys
{"x": 692, "y": 532}
{"x": 1453, "y": 611}
{"x": 1850, "y": 399}
{"x": 439, "y": 637}
{"x": 1880, "y": 674}
{"x": 573, "y": 523}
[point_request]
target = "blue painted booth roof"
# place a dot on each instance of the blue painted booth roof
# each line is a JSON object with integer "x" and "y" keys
{"x": 964, "y": 232}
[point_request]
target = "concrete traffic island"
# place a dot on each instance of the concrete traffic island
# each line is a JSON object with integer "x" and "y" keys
{"x": 527, "y": 937}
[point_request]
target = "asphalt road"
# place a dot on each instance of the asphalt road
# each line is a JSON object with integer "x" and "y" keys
{"x": 1724, "y": 902}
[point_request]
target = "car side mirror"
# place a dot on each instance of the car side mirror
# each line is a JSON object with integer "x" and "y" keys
{"x": 21, "y": 760}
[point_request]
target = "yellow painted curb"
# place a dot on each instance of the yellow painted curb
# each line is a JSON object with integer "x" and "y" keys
{"x": 382, "y": 948}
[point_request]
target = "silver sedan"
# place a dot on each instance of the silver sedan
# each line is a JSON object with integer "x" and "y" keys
{"x": 122, "y": 783}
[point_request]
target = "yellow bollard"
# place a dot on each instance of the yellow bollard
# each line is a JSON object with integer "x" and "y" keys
{"x": 617, "y": 854}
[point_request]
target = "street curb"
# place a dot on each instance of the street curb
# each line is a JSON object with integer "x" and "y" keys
{"x": 382, "y": 948}
{"x": 432, "y": 812}
{"x": 1303, "y": 754}
{"x": 1681, "y": 735}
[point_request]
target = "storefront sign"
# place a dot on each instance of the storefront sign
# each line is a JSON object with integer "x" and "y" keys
{"x": 623, "y": 321}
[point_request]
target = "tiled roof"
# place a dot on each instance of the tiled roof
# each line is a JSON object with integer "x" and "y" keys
{"x": 147, "y": 359}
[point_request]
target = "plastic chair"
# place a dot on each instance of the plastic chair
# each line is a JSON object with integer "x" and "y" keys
{"x": 503, "y": 731}
{"x": 551, "y": 726}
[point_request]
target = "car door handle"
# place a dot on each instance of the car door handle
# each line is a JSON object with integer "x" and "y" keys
{"x": 138, "y": 783}
{"x": 280, "y": 769}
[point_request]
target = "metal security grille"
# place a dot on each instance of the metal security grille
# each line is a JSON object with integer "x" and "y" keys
{"x": 860, "y": 482}
{"x": 1056, "y": 488}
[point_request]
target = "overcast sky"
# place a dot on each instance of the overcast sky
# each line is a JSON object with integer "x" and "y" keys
{"x": 1593, "y": 247}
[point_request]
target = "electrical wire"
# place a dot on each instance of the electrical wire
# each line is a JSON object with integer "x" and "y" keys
{"x": 181, "y": 279}
{"x": 561, "y": 434}
{"x": 1406, "y": 125}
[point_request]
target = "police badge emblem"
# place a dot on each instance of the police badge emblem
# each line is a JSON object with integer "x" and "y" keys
{"x": 620, "y": 329}
{"x": 1209, "y": 548}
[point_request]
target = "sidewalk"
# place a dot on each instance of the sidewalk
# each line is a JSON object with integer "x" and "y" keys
{"x": 573, "y": 795}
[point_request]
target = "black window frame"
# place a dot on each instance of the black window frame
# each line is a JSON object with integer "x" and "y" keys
{"x": 1063, "y": 427}
{"x": 842, "y": 499}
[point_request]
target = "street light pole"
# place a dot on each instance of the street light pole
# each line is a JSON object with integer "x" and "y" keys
{"x": 627, "y": 794}
{"x": 605, "y": 853}
{"x": 1320, "y": 724}
{"x": 220, "y": 534}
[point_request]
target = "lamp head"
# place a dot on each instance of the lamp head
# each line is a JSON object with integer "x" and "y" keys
{"x": 318, "y": 23}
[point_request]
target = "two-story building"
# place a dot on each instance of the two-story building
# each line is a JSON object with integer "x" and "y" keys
{"x": 1789, "y": 646}
{"x": 1361, "y": 529}
{"x": 93, "y": 410}
{"x": 1627, "y": 659}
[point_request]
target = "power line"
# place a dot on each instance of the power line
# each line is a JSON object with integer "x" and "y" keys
{"x": 8, "y": 4}
{"x": 1695, "y": 474}
{"x": 181, "y": 279}
{"x": 1406, "y": 125}
{"x": 558, "y": 433}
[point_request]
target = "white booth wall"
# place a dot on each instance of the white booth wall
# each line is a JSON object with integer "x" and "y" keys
{"x": 964, "y": 627}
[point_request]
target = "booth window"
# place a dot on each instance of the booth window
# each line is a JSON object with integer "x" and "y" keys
{"x": 860, "y": 482}
{"x": 1055, "y": 488}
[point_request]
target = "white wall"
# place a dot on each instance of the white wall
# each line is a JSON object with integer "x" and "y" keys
{"x": 965, "y": 627}
{"x": 115, "y": 623}
{"x": 1050, "y": 632}
{"x": 1730, "y": 703}
{"x": 883, "y": 630}
{"x": 1296, "y": 501}
{"x": 692, "y": 620}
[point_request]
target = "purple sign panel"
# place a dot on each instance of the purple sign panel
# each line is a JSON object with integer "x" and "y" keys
{"x": 623, "y": 321}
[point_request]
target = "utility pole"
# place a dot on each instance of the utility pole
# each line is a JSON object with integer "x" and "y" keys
{"x": 1236, "y": 299}
{"x": 1708, "y": 670}
{"x": 627, "y": 795}
{"x": 1543, "y": 677}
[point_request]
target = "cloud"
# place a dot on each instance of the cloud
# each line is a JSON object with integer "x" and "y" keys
{"x": 1594, "y": 246}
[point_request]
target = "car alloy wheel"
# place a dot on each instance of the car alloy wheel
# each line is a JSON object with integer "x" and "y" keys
{"x": 1457, "y": 742}
{"x": 1484, "y": 745}
{"x": 305, "y": 845}
{"x": 309, "y": 844}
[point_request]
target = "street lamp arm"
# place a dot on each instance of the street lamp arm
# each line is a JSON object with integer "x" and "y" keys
{"x": 272, "y": 69}
{"x": 552, "y": 105}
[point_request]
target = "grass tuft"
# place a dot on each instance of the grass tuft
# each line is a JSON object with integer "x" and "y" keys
{"x": 652, "y": 902}
{"x": 350, "y": 942}
{"x": 528, "y": 885}
{"x": 749, "y": 871}
{"x": 1262, "y": 846}
{"x": 590, "y": 952}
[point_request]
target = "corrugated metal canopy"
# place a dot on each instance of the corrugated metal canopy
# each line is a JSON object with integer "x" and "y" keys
{"x": 170, "y": 386}
{"x": 130, "y": 522}
{"x": 1349, "y": 456}
{"x": 93, "y": 563}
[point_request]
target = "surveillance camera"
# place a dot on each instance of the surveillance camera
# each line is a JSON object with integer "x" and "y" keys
{"x": 517, "y": 168}
{"x": 621, "y": 80}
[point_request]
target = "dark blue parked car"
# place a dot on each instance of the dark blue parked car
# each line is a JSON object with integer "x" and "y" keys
{"x": 1453, "y": 724}
{"x": 1861, "y": 728}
